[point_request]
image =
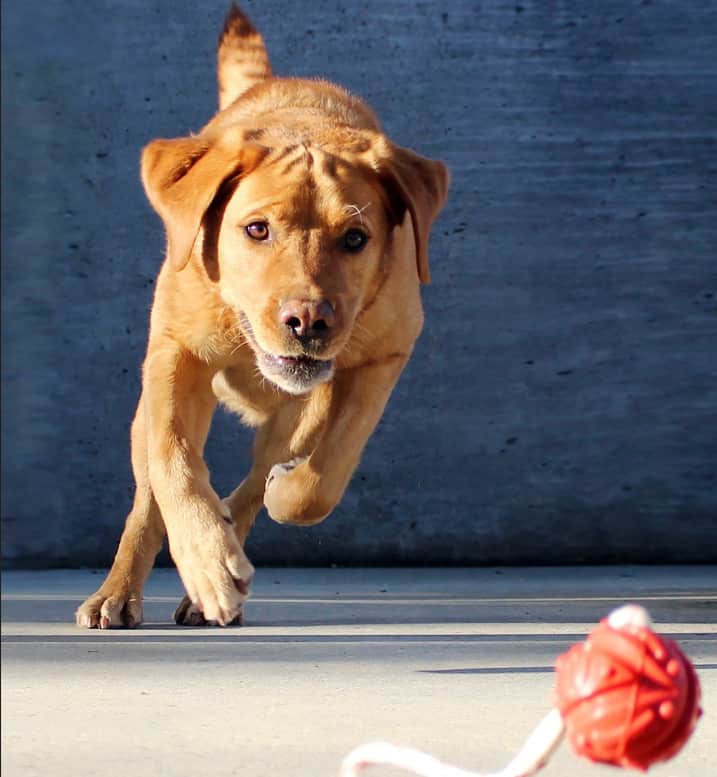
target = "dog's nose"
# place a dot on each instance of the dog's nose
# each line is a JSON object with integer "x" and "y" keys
{"x": 307, "y": 318}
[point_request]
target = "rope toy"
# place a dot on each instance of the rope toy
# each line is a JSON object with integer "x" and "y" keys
{"x": 625, "y": 697}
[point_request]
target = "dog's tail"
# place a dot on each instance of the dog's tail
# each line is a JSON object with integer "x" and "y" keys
{"x": 242, "y": 60}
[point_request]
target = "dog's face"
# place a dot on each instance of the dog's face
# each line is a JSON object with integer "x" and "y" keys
{"x": 297, "y": 237}
{"x": 301, "y": 247}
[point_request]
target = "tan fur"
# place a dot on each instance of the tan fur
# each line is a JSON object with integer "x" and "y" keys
{"x": 242, "y": 60}
{"x": 310, "y": 163}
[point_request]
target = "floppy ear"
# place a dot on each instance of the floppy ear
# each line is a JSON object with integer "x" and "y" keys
{"x": 421, "y": 185}
{"x": 182, "y": 176}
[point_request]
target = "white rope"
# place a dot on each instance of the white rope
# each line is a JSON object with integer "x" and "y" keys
{"x": 533, "y": 755}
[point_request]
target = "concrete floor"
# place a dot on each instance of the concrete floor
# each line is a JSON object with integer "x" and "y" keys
{"x": 457, "y": 662}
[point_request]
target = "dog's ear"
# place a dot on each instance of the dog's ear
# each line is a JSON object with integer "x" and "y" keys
{"x": 419, "y": 184}
{"x": 182, "y": 176}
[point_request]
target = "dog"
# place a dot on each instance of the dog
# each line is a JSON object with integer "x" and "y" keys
{"x": 297, "y": 240}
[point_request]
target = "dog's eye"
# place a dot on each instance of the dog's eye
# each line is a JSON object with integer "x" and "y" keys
{"x": 257, "y": 230}
{"x": 355, "y": 240}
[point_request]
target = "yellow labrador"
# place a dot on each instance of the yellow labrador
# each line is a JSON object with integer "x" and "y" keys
{"x": 297, "y": 237}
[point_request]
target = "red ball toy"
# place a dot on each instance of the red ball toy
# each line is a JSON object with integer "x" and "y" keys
{"x": 627, "y": 696}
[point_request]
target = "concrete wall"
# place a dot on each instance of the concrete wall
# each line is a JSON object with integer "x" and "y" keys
{"x": 562, "y": 403}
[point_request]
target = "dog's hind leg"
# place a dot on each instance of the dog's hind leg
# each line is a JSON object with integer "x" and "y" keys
{"x": 270, "y": 446}
{"x": 118, "y": 601}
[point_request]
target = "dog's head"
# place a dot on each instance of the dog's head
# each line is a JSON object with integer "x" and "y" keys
{"x": 296, "y": 235}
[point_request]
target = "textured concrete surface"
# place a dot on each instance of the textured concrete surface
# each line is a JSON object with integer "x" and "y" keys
{"x": 562, "y": 402}
{"x": 457, "y": 662}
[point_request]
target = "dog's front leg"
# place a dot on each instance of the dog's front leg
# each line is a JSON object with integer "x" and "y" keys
{"x": 304, "y": 491}
{"x": 118, "y": 602}
{"x": 180, "y": 403}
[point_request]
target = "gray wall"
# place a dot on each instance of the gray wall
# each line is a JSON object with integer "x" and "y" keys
{"x": 562, "y": 403}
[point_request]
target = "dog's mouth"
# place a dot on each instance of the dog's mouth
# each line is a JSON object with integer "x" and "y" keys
{"x": 295, "y": 373}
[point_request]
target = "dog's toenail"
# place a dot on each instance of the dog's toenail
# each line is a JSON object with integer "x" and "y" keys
{"x": 241, "y": 586}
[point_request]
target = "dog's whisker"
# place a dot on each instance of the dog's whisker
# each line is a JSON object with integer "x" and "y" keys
{"x": 354, "y": 210}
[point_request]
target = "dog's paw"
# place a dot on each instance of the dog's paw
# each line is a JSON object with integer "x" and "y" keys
{"x": 211, "y": 562}
{"x": 189, "y": 614}
{"x": 278, "y": 470}
{"x": 296, "y": 495}
{"x": 113, "y": 610}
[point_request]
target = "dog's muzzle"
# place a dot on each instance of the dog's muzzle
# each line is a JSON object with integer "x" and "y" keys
{"x": 295, "y": 373}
